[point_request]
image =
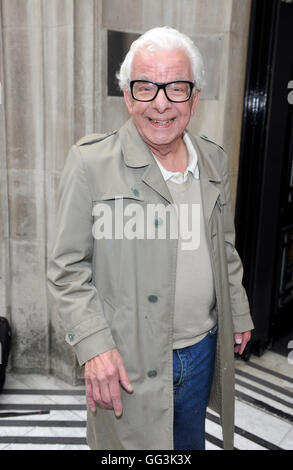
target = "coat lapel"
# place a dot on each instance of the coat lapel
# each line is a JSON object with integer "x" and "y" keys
{"x": 154, "y": 178}
{"x": 209, "y": 177}
{"x": 137, "y": 154}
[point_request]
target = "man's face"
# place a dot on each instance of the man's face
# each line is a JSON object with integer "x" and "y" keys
{"x": 161, "y": 122}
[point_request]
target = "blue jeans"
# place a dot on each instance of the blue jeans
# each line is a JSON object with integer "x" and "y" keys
{"x": 192, "y": 377}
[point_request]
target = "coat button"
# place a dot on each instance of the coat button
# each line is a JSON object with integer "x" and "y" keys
{"x": 135, "y": 192}
{"x": 71, "y": 337}
{"x": 152, "y": 298}
{"x": 152, "y": 373}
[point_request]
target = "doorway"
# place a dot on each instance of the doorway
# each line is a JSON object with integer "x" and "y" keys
{"x": 264, "y": 204}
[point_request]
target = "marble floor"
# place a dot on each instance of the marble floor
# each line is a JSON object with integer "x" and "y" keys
{"x": 52, "y": 414}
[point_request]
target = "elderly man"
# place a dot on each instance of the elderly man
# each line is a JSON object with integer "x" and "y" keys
{"x": 153, "y": 320}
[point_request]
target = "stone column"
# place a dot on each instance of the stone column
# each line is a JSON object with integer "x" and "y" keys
{"x": 47, "y": 66}
{"x": 4, "y": 210}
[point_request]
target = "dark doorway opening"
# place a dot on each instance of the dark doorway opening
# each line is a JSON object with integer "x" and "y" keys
{"x": 264, "y": 205}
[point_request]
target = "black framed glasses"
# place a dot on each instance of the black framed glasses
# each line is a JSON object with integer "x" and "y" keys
{"x": 177, "y": 92}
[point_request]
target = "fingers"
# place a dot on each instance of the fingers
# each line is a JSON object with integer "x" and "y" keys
{"x": 114, "y": 376}
{"x": 103, "y": 374}
{"x": 124, "y": 379}
{"x": 90, "y": 395}
{"x": 93, "y": 389}
{"x": 102, "y": 395}
{"x": 241, "y": 340}
{"x": 238, "y": 342}
{"x": 114, "y": 390}
{"x": 110, "y": 390}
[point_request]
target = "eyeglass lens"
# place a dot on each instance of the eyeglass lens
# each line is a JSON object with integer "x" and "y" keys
{"x": 146, "y": 91}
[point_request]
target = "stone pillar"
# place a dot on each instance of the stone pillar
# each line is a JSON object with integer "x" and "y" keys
{"x": 4, "y": 210}
{"x": 48, "y": 62}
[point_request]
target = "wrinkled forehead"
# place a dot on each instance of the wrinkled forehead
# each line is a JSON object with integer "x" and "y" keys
{"x": 151, "y": 60}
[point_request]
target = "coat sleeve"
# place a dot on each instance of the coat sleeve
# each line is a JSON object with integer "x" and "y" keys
{"x": 240, "y": 307}
{"x": 70, "y": 265}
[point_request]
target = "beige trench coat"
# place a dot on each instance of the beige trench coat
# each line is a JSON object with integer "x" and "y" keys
{"x": 105, "y": 289}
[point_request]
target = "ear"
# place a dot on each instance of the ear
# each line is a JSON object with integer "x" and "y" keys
{"x": 128, "y": 101}
{"x": 195, "y": 102}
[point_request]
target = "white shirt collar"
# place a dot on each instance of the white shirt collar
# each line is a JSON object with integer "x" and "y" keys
{"x": 192, "y": 166}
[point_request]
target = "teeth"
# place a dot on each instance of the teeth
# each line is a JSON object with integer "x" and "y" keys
{"x": 161, "y": 122}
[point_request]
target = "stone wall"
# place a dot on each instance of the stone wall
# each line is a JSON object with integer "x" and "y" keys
{"x": 53, "y": 74}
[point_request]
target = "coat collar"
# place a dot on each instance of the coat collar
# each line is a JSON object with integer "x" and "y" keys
{"x": 136, "y": 154}
{"x": 206, "y": 166}
{"x": 135, "y": 151}
{"x": 209, "y": 176}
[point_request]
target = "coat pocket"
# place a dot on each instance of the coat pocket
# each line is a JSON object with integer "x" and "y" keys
{"x": 119, "y": 217}
{"x": 110, "y": 195}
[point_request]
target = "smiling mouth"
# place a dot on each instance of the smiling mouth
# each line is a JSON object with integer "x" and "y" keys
{"x": 162, "y": 123}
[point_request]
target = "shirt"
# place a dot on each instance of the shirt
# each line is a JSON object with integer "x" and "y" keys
{"x": 192, "y": 165}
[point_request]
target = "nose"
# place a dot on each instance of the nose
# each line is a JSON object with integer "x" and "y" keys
{"x": 161, "y": 102}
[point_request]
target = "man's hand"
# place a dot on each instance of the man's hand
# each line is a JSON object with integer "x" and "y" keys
{"x": 102, "y": 376}
{"x": 241, "y": 340}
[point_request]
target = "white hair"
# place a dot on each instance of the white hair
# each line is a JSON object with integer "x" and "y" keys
{"x": 163, "y": 38}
